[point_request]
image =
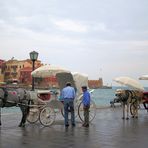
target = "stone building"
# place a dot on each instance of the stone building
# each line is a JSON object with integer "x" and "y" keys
{"x": 95, "y": 83}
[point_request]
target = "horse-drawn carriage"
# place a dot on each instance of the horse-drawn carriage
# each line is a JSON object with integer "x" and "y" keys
{"x": 42, "y": 104}
{"x": 133, "y": 99}
{"x": 47, "y": 102}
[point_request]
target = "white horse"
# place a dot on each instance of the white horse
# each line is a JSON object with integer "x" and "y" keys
{"x": 15, "y": 97}
{"x": 128, "y": 97}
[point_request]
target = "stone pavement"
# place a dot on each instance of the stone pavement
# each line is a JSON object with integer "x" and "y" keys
{"x": 107, "y": 130}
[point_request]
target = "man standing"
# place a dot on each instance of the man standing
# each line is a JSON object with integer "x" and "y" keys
{"x": 86, "y": 105}
{"x": 68, "y": 95}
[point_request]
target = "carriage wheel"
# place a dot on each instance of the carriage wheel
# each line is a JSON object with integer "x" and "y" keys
{"x": 33, "y": 115}
{"x": 47, "y": 116}
{"x": 92, "y": 111}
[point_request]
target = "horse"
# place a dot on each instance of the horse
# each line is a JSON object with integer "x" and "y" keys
{"x": 128, "y": 97}
{"x": 20, "y": 97}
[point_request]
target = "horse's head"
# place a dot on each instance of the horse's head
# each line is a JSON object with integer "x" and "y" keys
{"x": 22, "y": 94}
{"x": 118, "y": 92}
{"x": 122, "y": 94}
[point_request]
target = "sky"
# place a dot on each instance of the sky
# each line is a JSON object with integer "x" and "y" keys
{"x": 101, "y": 38}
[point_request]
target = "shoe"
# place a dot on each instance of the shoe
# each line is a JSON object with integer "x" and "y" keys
{"x": 85, "y": 125}
{"x": 66, "y": 125}
{"x": 73, "y": 125}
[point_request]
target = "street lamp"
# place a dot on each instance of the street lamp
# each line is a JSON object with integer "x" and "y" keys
{"x": 33, "y": 57}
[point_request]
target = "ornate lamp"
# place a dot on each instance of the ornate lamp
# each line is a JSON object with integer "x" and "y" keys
{"x": 33, "y": 57}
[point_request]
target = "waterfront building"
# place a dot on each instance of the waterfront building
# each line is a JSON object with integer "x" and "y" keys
{"x": 95, "y": 83}
{"x": 1, "y": 70}
{"x": 48, "y": 82}
{"x": 13, "y": 67}
{"x": 20, "y": 71}
{"x": 26, "y": 79}
{"x": 25, "y": 75}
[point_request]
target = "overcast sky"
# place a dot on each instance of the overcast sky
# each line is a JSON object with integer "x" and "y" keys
{"x": 101, "y": 38}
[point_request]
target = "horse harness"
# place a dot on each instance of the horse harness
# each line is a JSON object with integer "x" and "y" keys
{"x": 5, "y": 98}
{"x": 124, "y": 97}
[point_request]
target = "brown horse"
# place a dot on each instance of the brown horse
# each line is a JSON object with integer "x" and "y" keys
{"x": 15, "y": 97}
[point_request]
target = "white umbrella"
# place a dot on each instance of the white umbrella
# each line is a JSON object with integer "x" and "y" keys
{"x": 48, "y": 70}
{"x": 144, "y": 77}
{"x": 130, "y": 82}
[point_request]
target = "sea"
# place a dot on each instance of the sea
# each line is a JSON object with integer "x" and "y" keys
{"x": 101, "y": 97}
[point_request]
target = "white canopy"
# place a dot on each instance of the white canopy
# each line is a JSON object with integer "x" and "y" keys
{"x": 144, "y": 77}
{"x": 80, "y": 80}
{"x": 130, "y": 82}
{"x": 48, "y": 70}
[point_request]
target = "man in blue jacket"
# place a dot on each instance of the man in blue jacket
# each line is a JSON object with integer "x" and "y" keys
{"x": 68, "y": 95}
{"x": 86, "y": 105}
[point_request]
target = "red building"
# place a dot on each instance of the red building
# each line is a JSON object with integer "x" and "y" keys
{"x": 49, "y": 82}
{"x": 1, "y": 70}
{"x": 1, "y": 63}
{"x": 26, "y": 78}
{"x": 25, "y": 75}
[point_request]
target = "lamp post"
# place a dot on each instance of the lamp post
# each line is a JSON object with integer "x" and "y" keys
{"x": 33, "y": 57}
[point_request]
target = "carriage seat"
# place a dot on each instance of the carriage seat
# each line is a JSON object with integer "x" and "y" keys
{"x": 44, "y": 95}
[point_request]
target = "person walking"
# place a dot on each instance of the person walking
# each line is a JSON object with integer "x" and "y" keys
{"x": 68, "y": 95}
{"x": 86, "y": 105}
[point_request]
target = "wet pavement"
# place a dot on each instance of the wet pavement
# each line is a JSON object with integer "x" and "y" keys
{"x": 107, "y": 130}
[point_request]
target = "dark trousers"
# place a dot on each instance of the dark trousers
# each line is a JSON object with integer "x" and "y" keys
{"x": 86, "y": 114}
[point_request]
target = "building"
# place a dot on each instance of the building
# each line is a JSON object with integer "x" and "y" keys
{"x": 20, "y": 71}
{"x": 1, "y": 70}
{"x": 25, "y": 75}
{"x": 12, "y": 68}
{"x": 95, "y": 83}
{"x": 26, "y": 78}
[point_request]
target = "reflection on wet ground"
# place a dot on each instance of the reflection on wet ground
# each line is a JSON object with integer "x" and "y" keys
{"x": 108, "y": 130}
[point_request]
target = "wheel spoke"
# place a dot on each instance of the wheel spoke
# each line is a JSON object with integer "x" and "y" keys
{"x": 47, "y": 116}
{"x": 92, "y": 111}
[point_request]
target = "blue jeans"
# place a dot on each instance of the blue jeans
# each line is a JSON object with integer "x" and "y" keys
{"x": 69, "y": 105}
